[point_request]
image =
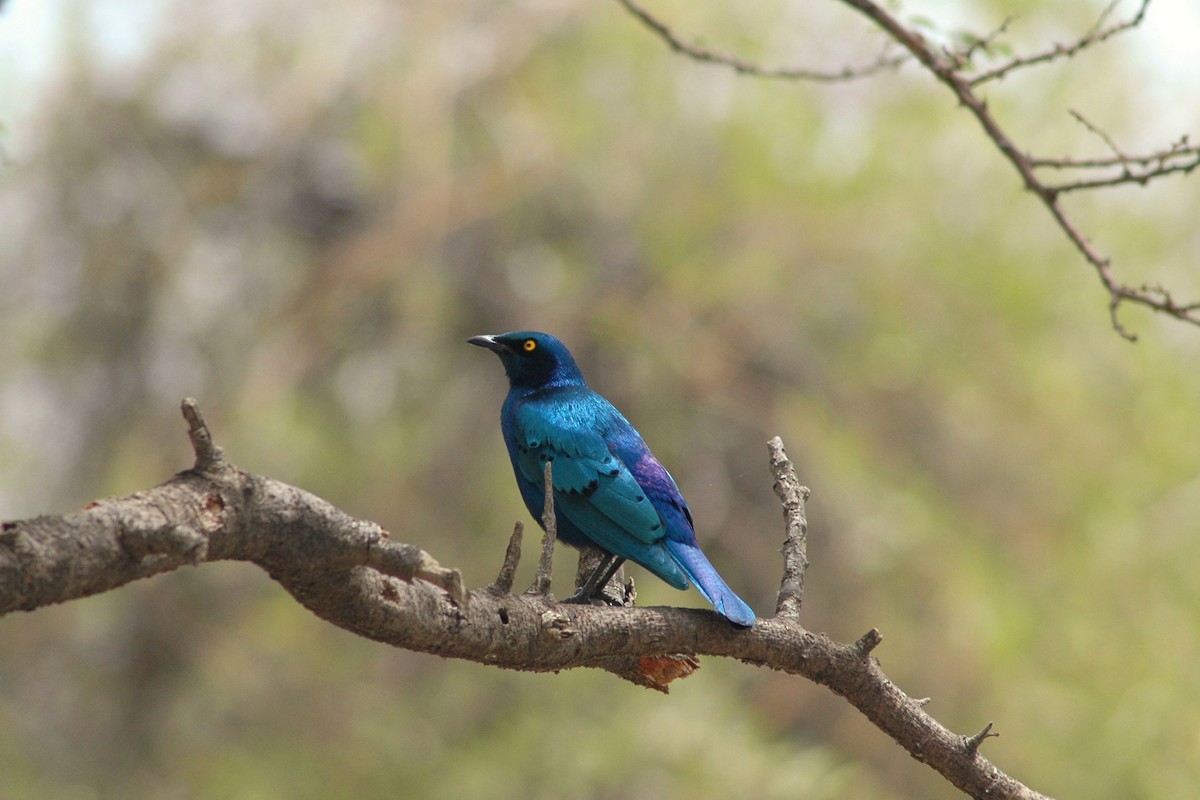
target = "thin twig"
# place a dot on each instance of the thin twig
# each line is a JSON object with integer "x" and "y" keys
{"x": 1127, "y": 176}
{"x": 965, "y": 55}
{"x": 541, "y": 584}
{"x": 795, "y": 544}
{"x": 869, "y": 641}
{"x": 1168, "y": 301}
{"x": 208, "y": 454}
{"x": 1134, "y": 169}
{"x": 1096, "y": 35}
{"x": 512, "y": 556}
{"x": 1108, "y": 140}
{"x": 745, "y": 67}
{"x": 1156, "y": 160}
{"x": 972, "y": 743}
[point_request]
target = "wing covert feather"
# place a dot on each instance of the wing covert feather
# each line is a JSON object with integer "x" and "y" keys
{"x": 586, "y": 470}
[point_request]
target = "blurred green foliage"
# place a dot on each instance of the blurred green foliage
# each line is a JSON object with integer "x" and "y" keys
{"x": 297, "y": 212}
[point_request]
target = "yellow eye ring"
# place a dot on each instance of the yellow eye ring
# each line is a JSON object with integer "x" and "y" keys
{"x": 530, "y": 345}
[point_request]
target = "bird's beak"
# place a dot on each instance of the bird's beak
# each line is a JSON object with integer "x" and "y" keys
{"x": 489, "y": 342}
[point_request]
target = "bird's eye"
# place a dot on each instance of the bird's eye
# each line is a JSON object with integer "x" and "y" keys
{"x": 530, "y": 345}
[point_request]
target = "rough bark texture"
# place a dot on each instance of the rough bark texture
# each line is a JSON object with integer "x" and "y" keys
{"x": 350, "y": 573}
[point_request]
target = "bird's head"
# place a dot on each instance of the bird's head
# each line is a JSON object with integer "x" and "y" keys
{"x": 532, "y": 359}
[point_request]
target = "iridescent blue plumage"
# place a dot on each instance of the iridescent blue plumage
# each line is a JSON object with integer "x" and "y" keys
{"x": 609, "y": 489}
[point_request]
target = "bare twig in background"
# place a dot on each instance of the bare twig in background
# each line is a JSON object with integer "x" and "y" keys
{"x": 1179, "y": 149}
{"x": 1180, "y": 156}
{"x": 884, "y": 62}
{"x": 1096, "y": 35}
{"x": 347, "y": 571}
{"x": 963, "y": 56}
{"x": 951, "y": 68}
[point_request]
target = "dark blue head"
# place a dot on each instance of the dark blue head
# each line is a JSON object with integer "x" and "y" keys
{"x": 532, "y": 359}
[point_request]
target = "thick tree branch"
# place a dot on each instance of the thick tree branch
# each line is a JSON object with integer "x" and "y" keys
{"x": 951, "y": 67}
{"x": 348, "y": 572}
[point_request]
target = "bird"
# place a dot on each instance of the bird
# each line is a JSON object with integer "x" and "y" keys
{"x": 609, "y": 489}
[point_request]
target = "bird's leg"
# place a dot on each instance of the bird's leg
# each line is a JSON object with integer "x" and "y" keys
{"x": 594, "y": 585}
{"x": 604, "y": 579}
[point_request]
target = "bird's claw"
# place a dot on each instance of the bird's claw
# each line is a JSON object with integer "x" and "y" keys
{"x": 579, "y": 598}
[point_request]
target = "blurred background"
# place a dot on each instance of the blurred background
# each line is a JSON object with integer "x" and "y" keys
{"x": 297, "y": 211}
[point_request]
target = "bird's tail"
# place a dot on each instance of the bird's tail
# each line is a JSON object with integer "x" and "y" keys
{"x": 711, "y": 585}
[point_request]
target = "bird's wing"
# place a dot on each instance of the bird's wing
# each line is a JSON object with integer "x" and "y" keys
{"x": 659, "y": 486}
{"x": 592, "y": 485}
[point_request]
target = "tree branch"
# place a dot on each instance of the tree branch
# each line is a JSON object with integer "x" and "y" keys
{"x": 1180, "y": 156}
{"x": 949, "y": 73}
{"x": 1096, "y": 35}
{"x": 950, "y": 67}
{"x": 348, "y": 572}
{"x": 697, "y": 52}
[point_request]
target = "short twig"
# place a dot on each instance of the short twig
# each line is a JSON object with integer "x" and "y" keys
{"x": 795, "y": 543}
{"x": 1157, "y": 289}
{"x": 963, "y": 56}
{"x": 869, "y": 641}
{"x": 449, "y": 579}
{"x": 541, "y": 584}
{"x": 1095, "y": 129}
{"x": 208, "y": 454}
{"x": 512, "y": 557}
{"x": 407, "y": 561}
{"x": 972, "y": 743}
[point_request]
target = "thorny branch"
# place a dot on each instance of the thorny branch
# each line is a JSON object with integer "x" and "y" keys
{"x": 952, "y": 67}
{"x": 349, "y": 572}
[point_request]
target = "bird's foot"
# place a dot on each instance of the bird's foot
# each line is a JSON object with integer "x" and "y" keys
{"x": 593, "y": 589}
{"x": 581, "y": 597}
